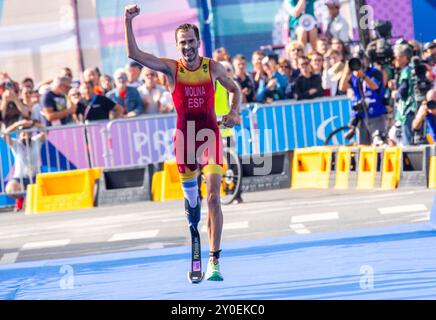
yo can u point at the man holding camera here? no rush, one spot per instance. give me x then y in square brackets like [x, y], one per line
[403, 94]
[427, 114]
[369, 111]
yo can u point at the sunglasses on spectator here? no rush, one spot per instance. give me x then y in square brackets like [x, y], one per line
[122, 78]
[150, 75]
[285, 66]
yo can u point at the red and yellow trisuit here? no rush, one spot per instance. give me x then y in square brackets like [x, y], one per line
[197, 140]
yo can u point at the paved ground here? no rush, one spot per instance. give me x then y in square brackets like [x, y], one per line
[280, 244]
[152, 225]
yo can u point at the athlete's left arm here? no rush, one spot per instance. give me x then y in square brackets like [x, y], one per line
[220, 74]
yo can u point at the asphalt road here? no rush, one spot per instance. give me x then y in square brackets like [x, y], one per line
[154, 225]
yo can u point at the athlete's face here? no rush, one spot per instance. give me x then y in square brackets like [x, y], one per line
[188, 44]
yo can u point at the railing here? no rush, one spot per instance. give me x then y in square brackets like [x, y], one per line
[280, 126]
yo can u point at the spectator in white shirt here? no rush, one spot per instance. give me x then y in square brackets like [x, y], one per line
[337, 26]
[156, 97]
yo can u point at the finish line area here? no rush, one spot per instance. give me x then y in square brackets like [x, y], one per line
[396, 262]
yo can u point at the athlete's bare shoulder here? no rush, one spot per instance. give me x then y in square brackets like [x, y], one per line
[217, 69]
[219, 73]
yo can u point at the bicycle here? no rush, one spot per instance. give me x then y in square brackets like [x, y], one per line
[231, 183]
[340, 133]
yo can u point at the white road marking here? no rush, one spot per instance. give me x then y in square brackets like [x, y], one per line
[45, 244]
[420, 214]
[421, 219]
[174, 219]
[230, 226]
[9, 258]
[134, 235]
[299, 228]
[156, 245]
[403, 209]
[315, 217]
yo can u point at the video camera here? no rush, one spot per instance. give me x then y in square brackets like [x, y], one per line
[8, 85]
[431, 105]
[421, 83]
[380, 51]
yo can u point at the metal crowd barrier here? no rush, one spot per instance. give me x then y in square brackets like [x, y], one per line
[276, 127]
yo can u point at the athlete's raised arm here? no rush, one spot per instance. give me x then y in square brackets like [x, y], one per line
[220, 74]
[166, 66]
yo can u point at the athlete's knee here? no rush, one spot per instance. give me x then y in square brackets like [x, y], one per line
[214, 200]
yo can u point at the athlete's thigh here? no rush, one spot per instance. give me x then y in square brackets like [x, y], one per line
[185, 154]
[211, 151]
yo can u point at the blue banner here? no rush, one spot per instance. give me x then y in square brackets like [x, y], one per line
[292, 124]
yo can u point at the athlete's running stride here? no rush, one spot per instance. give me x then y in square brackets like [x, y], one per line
[192, 84]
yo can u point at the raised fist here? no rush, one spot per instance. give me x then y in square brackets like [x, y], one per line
[131, 11]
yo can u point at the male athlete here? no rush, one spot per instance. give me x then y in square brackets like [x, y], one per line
[191, 80]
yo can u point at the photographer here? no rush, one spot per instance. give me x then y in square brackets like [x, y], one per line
[403, 94]
[427, 114]
[12, 108]
[369, 111]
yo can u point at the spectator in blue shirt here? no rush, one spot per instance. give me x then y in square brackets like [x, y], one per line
[273, 87]
[126, 96]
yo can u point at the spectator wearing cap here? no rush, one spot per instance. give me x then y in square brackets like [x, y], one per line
[12, 108]
[54, 103]
[133, 71]
[245, 80]
[127, 97]
[273, 87]
[403, 93]
[429, 57]
[430, 52]
[337, 26]
[307, 85]
[156, 98]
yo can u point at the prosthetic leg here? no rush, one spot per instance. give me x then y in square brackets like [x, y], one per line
[193, 215]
